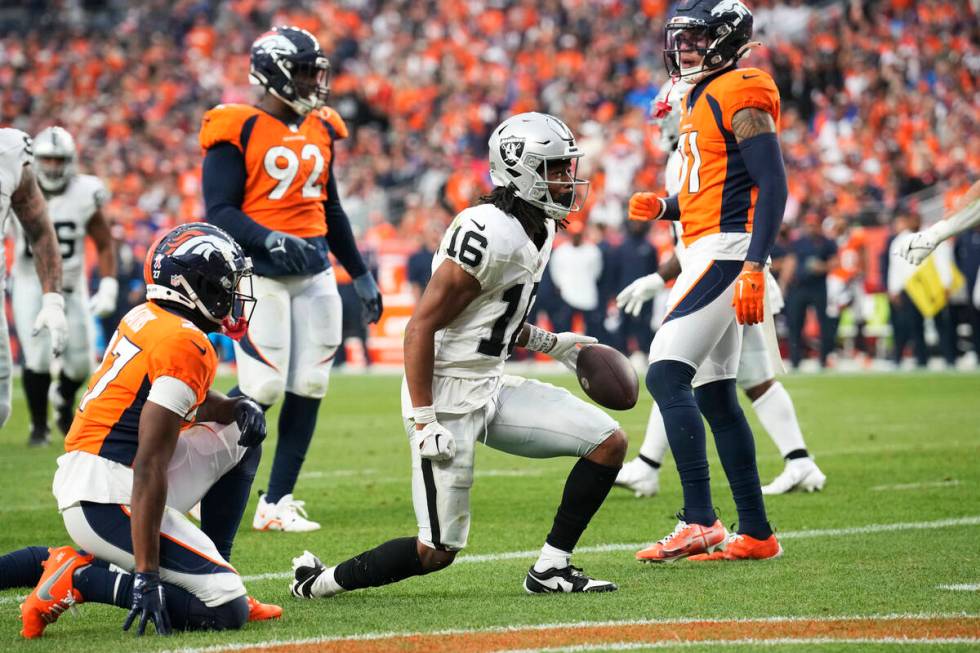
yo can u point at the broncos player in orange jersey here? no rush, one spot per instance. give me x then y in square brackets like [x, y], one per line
[149, 440]
[268, 180]
[730, 204]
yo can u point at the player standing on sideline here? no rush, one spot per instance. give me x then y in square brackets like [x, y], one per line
[75, 205]
[471, 315]
[135, 464]
[268, 181]
[756, 371]
[20, 194]
[731, 202]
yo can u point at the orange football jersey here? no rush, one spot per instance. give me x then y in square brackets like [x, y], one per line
[286, 167]
[150, 342]
[717, 194]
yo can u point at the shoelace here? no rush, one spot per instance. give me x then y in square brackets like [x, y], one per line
[681, 525]
[60, 607]
[296, 508]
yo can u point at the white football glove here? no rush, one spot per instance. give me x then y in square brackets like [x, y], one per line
[917, 247]
[633, 296]
[435, 442]
[52, 317]
[103, 302]
[565, 349]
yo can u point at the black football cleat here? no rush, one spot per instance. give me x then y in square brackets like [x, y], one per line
[567, 579]
[40, 437]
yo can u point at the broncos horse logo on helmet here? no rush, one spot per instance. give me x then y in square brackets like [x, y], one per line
[200, 270]
[288, 62]
[718, 30]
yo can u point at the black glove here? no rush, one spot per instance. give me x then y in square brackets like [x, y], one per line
[251, 423]
[148, 604]
[370, 296]
[288, 251]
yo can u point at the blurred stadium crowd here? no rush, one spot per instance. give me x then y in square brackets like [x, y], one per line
[879, 121]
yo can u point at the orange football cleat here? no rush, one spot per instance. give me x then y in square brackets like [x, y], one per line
[55, 592]
[258, 611]
[744, 547]
[686, 540]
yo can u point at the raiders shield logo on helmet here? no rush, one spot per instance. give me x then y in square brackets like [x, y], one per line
[511, 150]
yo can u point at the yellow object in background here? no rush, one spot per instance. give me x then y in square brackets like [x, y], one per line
[926, 288]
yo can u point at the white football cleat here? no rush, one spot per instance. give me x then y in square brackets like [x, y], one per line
[311, 579]
[799, 474]
[638, 476]
[287, 515]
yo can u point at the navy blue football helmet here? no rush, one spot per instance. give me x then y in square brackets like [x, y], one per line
[718, 30]
[200, 270]
[288, 62]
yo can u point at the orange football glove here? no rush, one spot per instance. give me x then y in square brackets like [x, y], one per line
[750, 295]
[645, 207]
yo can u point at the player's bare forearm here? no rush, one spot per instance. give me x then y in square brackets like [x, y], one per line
[217, 408]
[158, 432]
[31, 210]
[449, 292]
[750, 122]
[670, 269]
[98, 230]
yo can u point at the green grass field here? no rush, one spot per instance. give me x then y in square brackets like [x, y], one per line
[900, 452]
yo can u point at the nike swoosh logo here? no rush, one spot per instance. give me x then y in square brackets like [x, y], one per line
[478, 225]
[44, 591]
[555, 583]
[749, 76]
[200, 348]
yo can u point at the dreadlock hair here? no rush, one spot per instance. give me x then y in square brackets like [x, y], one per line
[531, 217]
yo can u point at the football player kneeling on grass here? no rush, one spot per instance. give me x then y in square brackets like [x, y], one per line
[470, 317]
[150, 439]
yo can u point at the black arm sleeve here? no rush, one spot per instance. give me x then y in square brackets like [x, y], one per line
[223, 183]
[340, 237]
[764, 162]
[672, 209]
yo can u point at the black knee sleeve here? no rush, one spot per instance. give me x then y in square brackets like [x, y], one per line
[718, 402]
[670, 382]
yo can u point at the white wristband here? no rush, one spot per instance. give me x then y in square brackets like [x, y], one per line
[540, 340]
[53, 299]
[424, 414]
[109, 285]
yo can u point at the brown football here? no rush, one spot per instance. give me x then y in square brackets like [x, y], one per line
[607, 377]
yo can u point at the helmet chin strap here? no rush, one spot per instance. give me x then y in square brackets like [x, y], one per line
[190, 300]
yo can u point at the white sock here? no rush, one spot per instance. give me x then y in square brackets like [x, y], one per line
[778, 416]
[552, 558]
[654, 444]
[326, 584]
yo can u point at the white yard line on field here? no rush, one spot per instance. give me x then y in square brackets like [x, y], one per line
[960, 587]
[788, 535]
[810, 641]
[916, 486]
[762, 621]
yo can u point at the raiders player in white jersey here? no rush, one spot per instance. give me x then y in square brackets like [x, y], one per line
[455, 393]
[756, 370]
[75, 205]
[20, 195]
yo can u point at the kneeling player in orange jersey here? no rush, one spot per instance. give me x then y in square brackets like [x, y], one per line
[150, 439]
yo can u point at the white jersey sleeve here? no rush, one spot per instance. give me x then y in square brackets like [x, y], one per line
[70, 212]
[15, 153]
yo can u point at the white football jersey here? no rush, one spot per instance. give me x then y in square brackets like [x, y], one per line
[70, 211]
[15, 153]
[493, 247]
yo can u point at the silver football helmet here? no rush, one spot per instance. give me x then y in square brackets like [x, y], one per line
[670, 124]
[523, 149]
[54, 158]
